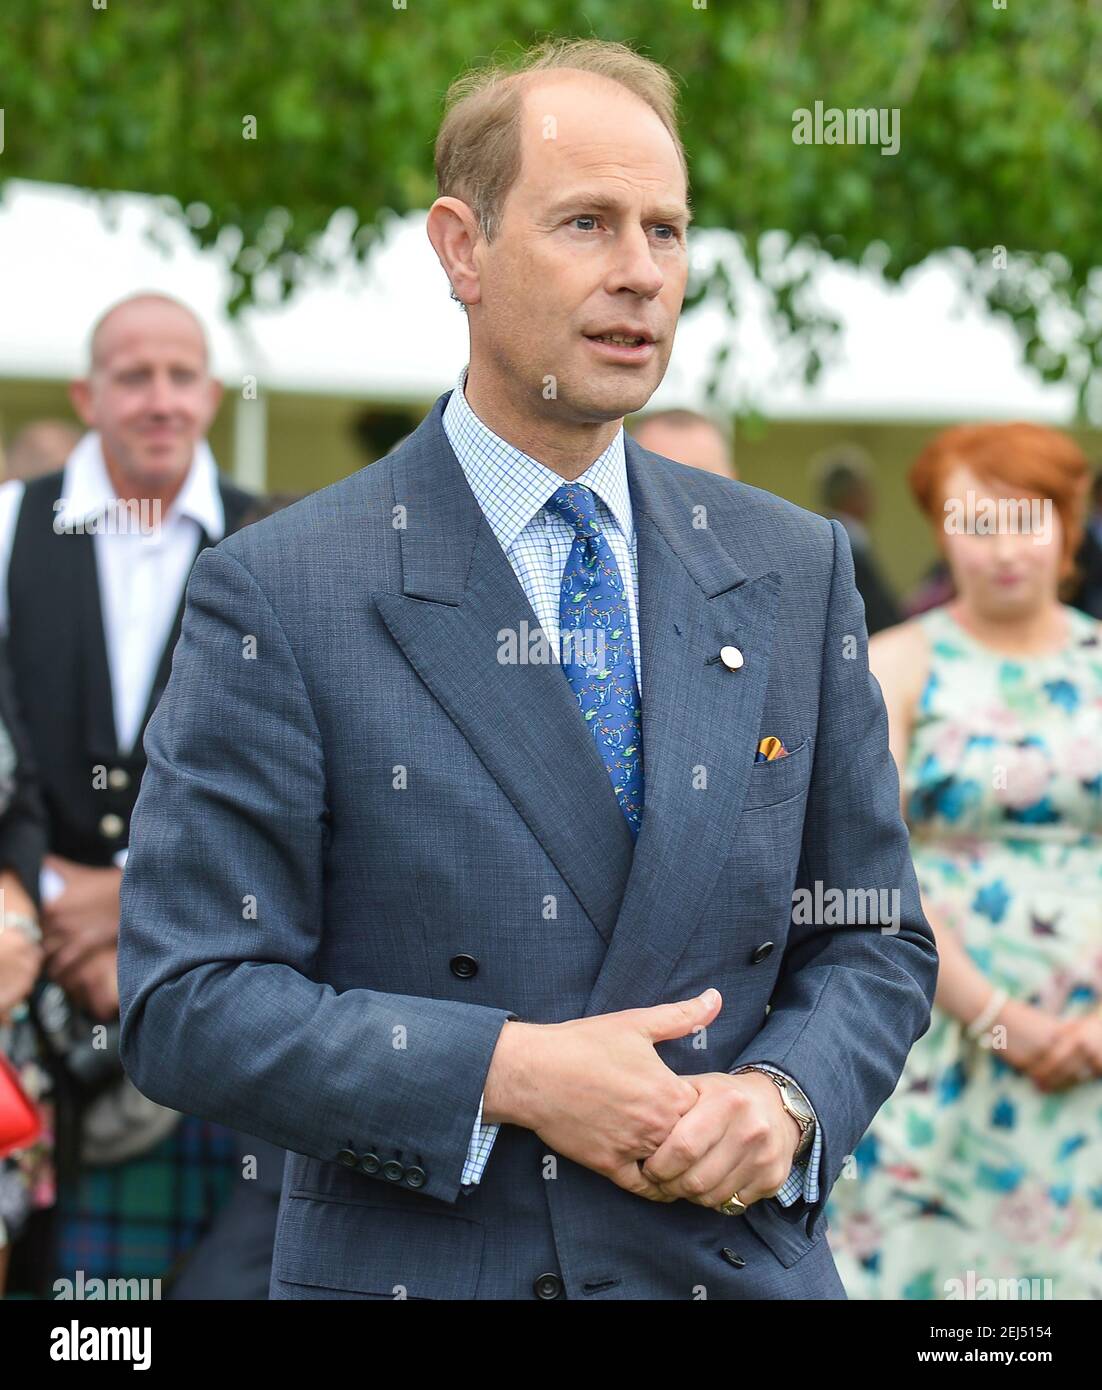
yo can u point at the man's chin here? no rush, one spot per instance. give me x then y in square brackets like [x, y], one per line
[613, 399]
[154, 469]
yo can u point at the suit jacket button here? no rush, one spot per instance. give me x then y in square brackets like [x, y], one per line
[732, 1257]
[415, 1176]
[369, 1163]
[393, 1171]
[348, 1158]
[760, 954]
[111, 826]
[548, 1286]
[118, 779]
[464, 967]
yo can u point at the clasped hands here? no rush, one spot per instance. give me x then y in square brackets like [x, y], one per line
[596, 1091]
[1054, 1052]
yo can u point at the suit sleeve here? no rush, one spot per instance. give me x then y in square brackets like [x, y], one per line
[852, 997]
[223, 915]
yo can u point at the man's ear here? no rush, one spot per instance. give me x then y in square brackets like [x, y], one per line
[80, 393]
[453, 231]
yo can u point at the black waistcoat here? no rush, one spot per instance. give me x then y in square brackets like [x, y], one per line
[62, 677]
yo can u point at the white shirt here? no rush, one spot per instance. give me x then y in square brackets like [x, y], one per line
[142, 567]
[513, 490]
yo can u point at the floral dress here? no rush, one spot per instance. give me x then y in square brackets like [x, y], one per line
[969, 1173]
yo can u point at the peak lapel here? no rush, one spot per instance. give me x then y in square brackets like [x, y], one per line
[460, 600]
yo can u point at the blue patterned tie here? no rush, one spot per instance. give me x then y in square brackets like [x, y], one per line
[594, 607]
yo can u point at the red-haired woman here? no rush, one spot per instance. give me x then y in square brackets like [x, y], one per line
[986, 1162]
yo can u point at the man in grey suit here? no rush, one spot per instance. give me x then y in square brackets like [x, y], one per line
[492, 786]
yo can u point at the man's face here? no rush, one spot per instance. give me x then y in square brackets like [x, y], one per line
[149, 393]
[592, 241]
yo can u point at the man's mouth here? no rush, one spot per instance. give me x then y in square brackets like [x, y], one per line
[623, 348]
[624, 339]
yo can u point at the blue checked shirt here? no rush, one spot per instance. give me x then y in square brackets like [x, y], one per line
[512, 489]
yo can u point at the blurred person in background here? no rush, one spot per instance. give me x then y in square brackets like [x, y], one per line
[94, 559]
[986, 1162]
[847, 491]
[687, 436]
[39, 448]
[1088, 594]
[26, 1176]
[932, 590]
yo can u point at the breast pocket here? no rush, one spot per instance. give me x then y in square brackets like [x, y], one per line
[778, 780]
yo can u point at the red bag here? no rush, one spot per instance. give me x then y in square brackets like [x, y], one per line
[20, 1121]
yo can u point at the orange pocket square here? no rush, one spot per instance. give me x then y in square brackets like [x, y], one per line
[770, 749]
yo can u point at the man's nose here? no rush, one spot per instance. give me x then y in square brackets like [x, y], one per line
[634, 267]
[162, 395]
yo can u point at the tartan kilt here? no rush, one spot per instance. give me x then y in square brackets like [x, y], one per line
[137, 1219]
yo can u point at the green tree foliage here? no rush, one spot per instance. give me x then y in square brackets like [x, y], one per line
[999, 101]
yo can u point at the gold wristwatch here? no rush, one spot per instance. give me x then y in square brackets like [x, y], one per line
[796, 1104]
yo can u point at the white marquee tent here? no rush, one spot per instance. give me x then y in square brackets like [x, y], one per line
[389, 331]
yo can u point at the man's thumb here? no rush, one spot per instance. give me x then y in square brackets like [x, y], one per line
[665, 1021]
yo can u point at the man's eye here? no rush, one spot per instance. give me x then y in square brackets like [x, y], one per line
[585, 217]
[666, 227]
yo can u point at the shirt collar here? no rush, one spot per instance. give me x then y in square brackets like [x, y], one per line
[511, 486]
[86, 488]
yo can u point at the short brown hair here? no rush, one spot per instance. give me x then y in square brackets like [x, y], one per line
[1042, 462]
[478, 145]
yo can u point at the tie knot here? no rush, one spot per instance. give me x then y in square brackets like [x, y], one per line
[577, 506]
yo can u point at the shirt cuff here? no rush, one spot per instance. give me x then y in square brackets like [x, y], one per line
[803, 1179]
[478, 1151]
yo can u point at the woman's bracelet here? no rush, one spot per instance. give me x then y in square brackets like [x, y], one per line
[988, 1014]
[22, 922]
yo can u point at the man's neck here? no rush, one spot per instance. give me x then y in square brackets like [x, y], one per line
[568, 448]
[129, 489]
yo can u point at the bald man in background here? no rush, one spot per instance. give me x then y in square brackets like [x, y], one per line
[688, 437]
[94, 558]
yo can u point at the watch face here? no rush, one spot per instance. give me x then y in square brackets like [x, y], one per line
[796, 1100]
